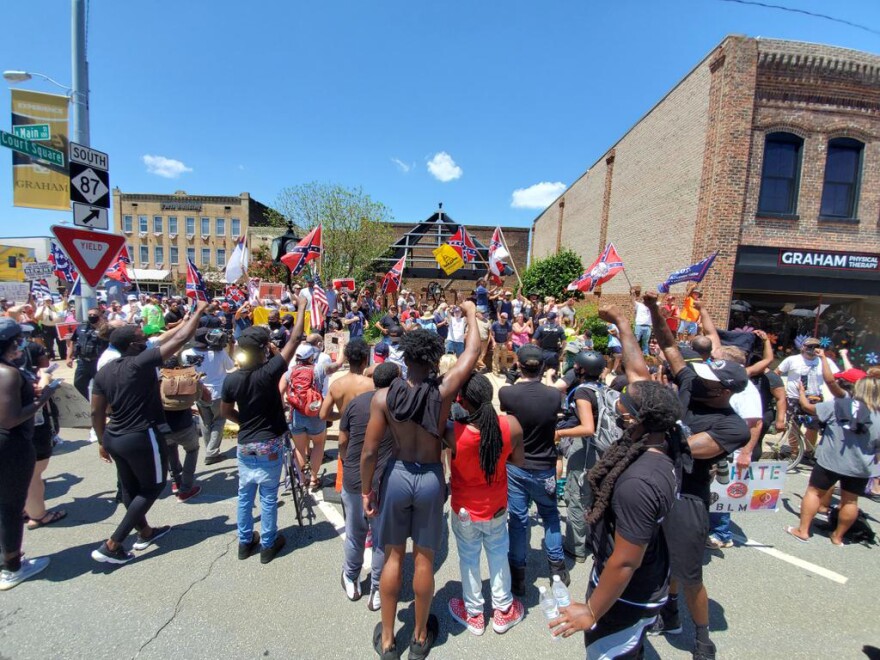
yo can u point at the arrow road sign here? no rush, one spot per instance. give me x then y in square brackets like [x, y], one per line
[93, 217]
[89, 185]
[91, 252]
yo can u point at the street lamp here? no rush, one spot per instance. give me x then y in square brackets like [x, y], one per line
[282, 245]
[14, 76]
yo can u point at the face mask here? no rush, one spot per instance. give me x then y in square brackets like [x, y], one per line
[93, 319]
[274, 325]
[138, 347]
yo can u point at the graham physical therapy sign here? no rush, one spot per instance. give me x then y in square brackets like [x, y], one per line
[825, 259]
[756, 488]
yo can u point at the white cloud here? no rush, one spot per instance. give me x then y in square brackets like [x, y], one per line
[443, 168]
[538, 196]
[403, 167]
[165, 167]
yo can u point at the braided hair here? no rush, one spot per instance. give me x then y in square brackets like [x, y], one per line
[478, 393]
[657, 409]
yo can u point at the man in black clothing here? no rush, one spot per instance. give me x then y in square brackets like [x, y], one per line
[128, 388]
[716, 430]
[86, 346]
[174, 315]
[252, 400]
[498, 341]
[278, 334]
[390, 320]
[536, 408]
[550, 337]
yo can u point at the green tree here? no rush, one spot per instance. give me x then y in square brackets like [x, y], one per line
[356, 228]
[261, 265]
[550, 276]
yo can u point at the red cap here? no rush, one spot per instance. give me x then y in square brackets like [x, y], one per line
[851, 375]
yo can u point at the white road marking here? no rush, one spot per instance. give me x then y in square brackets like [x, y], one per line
[795, 561]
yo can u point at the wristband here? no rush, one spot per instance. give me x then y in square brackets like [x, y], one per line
[592, 614]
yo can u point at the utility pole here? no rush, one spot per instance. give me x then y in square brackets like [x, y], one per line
[80, 97]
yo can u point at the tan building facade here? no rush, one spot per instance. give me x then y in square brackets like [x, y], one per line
[161, 231]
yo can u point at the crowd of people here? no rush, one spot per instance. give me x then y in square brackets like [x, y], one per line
[639, 433]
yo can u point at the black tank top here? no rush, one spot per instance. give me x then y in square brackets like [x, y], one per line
[25, 430]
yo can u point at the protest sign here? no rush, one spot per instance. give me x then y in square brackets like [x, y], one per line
[756, 488]
[270, 291]
[73, 410]
[17, 292]
[334, 344]
[65, 330]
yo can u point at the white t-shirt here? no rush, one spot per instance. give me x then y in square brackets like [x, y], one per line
[215, 365]
[643, 314]
[110, 353]
[457, 328]
[794, 367]
[747, 404]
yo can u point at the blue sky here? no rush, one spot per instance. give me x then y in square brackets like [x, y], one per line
[461, 102]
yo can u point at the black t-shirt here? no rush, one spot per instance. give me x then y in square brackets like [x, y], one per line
[766, 383]
[643, 495]
[179, 420]
[389, 321]
[582, 394]
[255, 392]
[501, 332]
[173, 317]
[549, 336]
[354, 421]
[131, 386]
[536, 407]
[723, 425]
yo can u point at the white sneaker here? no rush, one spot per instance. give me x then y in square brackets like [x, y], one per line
[93, 437]
[57, 441]
[352, 589]
[374, 602]
[29, 568]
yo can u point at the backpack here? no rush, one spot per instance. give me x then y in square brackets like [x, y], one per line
[860, 532]
[607, 432]
[179, 388]
[302, 395]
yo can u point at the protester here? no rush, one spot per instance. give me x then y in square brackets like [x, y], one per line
[85, 346]
[535, 406]
[499, 342]
[182, 434]
[352, 429]
[303, 384]
[252, 400]
[847, 454]
[689, 315]
[18, 406]
[128, 388]
[521, 331]
[484, 328]
[49, 318]
[480, 447]
[415, 410]
[614, 347]
[354, 322]
[550, 337]
[643, 319]
[457, 329]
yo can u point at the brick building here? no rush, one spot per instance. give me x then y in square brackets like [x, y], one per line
[767, 151]
[163, 230]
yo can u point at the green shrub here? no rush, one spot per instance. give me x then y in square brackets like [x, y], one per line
[587, 317]
[550, 276]
[372, 335]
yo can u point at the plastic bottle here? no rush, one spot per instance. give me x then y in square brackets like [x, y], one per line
[465, 517]
[560, 592]
[548, 607]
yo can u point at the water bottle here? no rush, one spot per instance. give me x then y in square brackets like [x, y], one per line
[548, 607]
[465, 517]
[560, 592]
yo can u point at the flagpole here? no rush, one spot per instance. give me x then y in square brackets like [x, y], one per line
[512, 262]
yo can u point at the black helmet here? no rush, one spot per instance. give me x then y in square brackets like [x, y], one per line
[592, 363]
[215, 338]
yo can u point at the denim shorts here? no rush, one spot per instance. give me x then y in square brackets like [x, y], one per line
[305, 424]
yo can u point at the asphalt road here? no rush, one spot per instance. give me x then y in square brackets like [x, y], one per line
[191, 597]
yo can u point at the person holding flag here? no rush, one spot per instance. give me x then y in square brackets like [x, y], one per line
[118, 270]
[462, 243]
[392, 279]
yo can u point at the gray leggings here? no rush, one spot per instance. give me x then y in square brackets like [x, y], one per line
[212, 426]
[578, 499]
[356, 526]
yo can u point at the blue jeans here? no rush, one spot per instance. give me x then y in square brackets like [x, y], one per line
[491, 535]
[643, 336]
[523, 488]
[263, 472]
[356, 527]
[456, 347]
[719, 526]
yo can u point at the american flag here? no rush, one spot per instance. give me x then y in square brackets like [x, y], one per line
[64, 270]
[464, 244]
[40, 289]
[195, 285]
[307, 249]
[320, 306]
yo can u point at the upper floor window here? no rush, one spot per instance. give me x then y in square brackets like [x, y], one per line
[126, 224]
[206, 256]
[236, 227]
[206, 226]
[221, 257]
[144, 257]
[221, 226]
[172, 224]
[143, 225]
[780, 176]
[157, 224]
[159, 254]
[191, 254]
[190, 226]
[843, 167]
[172, 255]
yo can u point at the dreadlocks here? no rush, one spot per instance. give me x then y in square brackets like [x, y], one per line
[658, 411]
[478, 393]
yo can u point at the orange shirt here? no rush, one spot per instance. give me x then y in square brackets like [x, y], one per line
[688, 311]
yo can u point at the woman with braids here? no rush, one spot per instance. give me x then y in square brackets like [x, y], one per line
[635, 486]
[481, 446]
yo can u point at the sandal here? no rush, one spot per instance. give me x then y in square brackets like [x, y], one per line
[420, 651]
[790, 531]
[390, 654]
[48, 519]
[315, 484]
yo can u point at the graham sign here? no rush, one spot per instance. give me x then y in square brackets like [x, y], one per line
[825, 259]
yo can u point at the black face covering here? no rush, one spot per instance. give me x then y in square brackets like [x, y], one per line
[274, 325]
[93, 320]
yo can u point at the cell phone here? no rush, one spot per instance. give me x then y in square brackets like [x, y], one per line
[51, 368]
[55, 384]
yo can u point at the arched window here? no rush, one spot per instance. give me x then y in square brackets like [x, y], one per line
[781, 173]
[843, 167]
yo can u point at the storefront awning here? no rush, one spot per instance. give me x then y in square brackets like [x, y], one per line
[150, 275]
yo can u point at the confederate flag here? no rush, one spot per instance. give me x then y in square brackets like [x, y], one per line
[118, 269]
[307, 249]
[195, 285]
[605, 267]
[391, 281]
[464, 245]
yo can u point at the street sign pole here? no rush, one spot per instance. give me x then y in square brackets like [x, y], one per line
[80, 129]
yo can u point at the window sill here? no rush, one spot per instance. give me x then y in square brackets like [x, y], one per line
[761, 215]
[845, 221]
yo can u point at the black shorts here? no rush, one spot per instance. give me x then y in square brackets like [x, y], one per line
[43, 440]
[620, 633]
[823, 479]
[685, 528]
[411, 500]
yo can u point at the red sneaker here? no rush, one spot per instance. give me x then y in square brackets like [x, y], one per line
[369, 542]
[183, 497]
[174, 488]
[475, 624]
[504, 621]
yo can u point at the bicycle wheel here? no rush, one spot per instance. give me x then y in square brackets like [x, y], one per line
[296, 488]
[792, 445]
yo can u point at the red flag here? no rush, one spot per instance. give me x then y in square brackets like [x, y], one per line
[118, 270]
[462, 242]
[603, 269]
[391, 281]
[307, 249]
[195, 285]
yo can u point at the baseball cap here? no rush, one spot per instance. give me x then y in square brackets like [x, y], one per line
[255, 337]
[530, 355]
[731, 375]
[851, 375]
[551, 316]
[811, 341]
[381, 349]
[306, 351]
[9, 328]
[131, 296]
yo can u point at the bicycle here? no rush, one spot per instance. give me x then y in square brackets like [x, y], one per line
[295, 480]
[793, 446]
